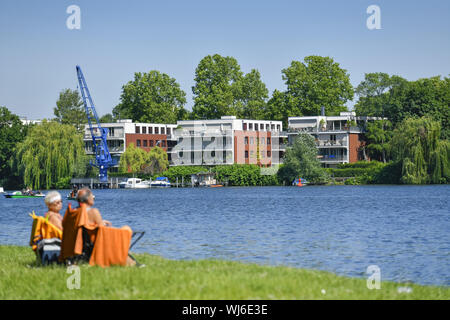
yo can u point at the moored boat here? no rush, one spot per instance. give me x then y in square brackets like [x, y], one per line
[161, 182]
[136, 183]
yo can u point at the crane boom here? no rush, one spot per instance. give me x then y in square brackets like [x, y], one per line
[103, 159]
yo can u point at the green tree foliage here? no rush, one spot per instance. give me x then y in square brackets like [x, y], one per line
[70, 110]
[395, 98]
[253, 96]
[133, 160]
[157, 161]
[217, 87]
[50, 154]
[424, 157]
[243, 175]
[282, 106]
[316, 82]
[11, 133]
[151, 97]
[300, 161]
[378, 134]
[107, 118]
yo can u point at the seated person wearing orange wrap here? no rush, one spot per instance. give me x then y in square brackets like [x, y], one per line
[95, 222]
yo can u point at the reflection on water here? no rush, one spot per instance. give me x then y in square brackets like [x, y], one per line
[342, 229]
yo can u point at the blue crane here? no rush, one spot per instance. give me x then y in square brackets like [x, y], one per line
[103, 159]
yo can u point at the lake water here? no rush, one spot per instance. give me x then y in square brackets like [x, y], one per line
[343, 229]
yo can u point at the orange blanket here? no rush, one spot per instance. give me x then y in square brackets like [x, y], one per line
[111, 247]
[110, 244]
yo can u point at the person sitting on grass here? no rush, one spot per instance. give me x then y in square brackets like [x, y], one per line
[53, 201]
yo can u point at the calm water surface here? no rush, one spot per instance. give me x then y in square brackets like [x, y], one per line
[343, 229]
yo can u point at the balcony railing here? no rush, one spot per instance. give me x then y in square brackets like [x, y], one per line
[332, 143]
[332, 158]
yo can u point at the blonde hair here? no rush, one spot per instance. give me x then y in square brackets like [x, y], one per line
[52, 197]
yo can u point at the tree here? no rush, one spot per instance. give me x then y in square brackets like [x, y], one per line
[51, 153]
[12, 132]
[70, 110]
[300, 160]
[282, 106]
[107, 118]
[133, 160]
[397, 99]
[253, 96]
[217, 87]
[318, 82]
[423, 156]
[378, 135]
[157, 161]
[151, 97]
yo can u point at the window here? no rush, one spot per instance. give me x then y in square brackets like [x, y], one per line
[246, 154]
[151, 143]
[268, 140]
[145, 143]
[224, 140]
[168, 130]
[163, 130]
[150, 130]
[245, 126]
[278, 127]
[250, 126]
[111, 132]
[269, 154]
[156, 130]
[256, 127]
[246, 140]
[272, 127]
[261, 126]
[144, 130]
[138, 143]
[252, 140]
[138, 129]
[267, 127]
[224, 154]
[163, 143]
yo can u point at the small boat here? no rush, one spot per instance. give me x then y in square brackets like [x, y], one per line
[2, 190]
[161, 182]
[300, 182]
[215, 186]
[20, 195]
[69, 197]
[136, 183]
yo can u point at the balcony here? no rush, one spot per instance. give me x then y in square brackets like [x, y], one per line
[332, 158]
[332, 143]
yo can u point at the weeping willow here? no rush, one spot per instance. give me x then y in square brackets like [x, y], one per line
[50, 152]
[157, 161]
[423, 156]
[133, 160]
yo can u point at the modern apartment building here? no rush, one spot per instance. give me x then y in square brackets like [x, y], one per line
[124, 132]
[339, 138]
[228, 141]
[200, 142]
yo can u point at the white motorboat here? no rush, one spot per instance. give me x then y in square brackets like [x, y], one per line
[1, 190]
[161, 182]
[135, 183]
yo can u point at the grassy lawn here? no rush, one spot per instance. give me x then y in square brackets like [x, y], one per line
[20, 278]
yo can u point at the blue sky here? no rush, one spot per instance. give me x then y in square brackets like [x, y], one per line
[38, 53]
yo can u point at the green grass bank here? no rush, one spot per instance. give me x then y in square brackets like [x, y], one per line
[21, 278]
